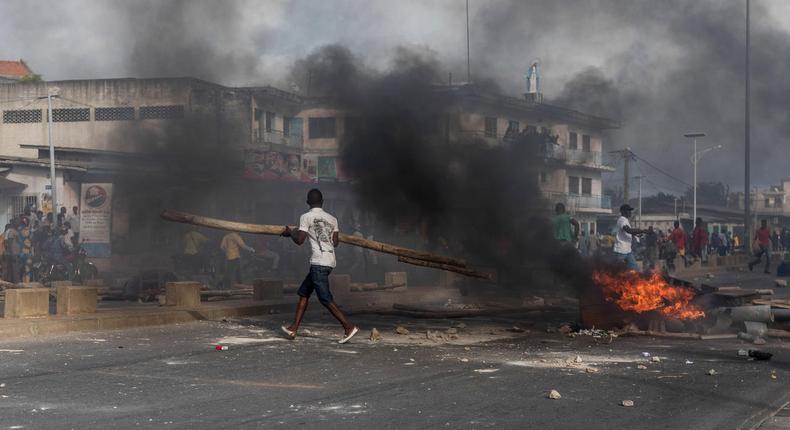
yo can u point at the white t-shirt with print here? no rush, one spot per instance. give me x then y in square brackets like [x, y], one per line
[622, 244]
[319, 227]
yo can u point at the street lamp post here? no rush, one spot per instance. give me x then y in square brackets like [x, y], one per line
[694, 136]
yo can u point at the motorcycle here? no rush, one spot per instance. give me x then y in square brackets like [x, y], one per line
[77, 268]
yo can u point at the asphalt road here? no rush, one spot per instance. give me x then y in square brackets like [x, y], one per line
[172, 377]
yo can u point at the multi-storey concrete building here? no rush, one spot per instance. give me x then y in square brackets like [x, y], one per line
[102, 127]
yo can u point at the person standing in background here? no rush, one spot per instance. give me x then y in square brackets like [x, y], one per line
[231, 245]
[74, 221]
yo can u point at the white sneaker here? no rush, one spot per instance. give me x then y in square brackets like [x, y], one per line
[290, 334]
[349, 336]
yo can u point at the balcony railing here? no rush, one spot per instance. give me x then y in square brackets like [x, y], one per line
[276, 139]
[580, 201]
[549, 150]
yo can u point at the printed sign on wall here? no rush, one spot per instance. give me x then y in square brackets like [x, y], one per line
[95, 219]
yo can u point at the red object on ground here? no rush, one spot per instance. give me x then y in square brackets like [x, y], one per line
[221, 348]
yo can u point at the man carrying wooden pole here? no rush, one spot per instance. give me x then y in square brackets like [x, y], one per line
[322, 230]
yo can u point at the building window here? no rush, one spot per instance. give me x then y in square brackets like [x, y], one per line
[268, 122]
[573, 184]
[19, 203]
[573, 141]
[322, 128]
[513, 127]
[587, 186]
[114, 114]
[585, 143]
[162, 112]
[71, 115]
[490, 124]
[767, 202]
[20, 116]
[543, 177]
[778, 202]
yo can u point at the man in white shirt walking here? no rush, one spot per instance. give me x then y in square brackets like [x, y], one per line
[322, 230]
[622, 244]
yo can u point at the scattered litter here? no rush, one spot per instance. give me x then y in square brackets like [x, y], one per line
[689, 362]
[411, 359]
[460, 325]
[712, 372]
[645, 354]
[2, 385]
[656, 359]
[401, 330]
[578, 359]
[781, 283]
[221, 347]
[375, 336]
[13, 351]
[641, 367]
[486, 370]
[743, 353]
[773, 374]
[554, 395]
[452, 330]
[591, 370]
[464, 360]
[759, 341]
[565, 329]
[627, 403]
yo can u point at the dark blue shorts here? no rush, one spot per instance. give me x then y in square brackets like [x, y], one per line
[317, 280]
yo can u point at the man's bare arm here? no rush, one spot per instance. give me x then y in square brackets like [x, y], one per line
[335, 239]
[633, 231]
[576, 228]
[298, 236]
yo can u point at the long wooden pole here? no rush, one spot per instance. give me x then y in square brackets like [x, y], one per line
[461, 270]
[386, 248]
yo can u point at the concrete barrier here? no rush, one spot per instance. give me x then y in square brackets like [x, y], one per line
[267, 289]
[182, 293]
[395, 278]
[76, 300]
[340, 285]
[26, 303]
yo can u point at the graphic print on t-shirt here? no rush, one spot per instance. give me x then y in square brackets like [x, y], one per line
[323, 232]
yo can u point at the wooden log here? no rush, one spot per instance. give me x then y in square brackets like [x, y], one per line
[277, 230]
[447, 267]
[225, 293]
[778, 333]
[662, 334]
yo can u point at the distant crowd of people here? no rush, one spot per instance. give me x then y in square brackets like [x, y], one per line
[32, 236]
[652, 245]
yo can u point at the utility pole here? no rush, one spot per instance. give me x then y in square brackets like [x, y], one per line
[639, 205]
[627, 156]
[694, 159]
[468, 61]
[747, 224]
[51, 92]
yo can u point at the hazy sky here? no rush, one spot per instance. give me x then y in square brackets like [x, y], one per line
[661, 66]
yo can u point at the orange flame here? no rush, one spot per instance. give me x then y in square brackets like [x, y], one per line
[633, 292]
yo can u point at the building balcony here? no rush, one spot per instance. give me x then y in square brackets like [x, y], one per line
[276, 140]
[583, 202]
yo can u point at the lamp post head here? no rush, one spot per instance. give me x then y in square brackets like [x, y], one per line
[695, 134]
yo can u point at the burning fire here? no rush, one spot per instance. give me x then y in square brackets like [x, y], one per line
[634, 292]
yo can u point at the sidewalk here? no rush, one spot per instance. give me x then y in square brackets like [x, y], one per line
[139, 316]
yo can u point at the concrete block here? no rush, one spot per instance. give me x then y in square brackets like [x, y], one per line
[30, 285]
[183, 293]
[447, 279]
[26, 303]
[340, 285]
[75, 300]
[267, 289]
[395, 278]
[56, 284]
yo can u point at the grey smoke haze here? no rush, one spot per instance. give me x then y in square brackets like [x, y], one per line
[663, 67]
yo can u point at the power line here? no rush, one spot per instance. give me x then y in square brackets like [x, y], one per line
[662, 171]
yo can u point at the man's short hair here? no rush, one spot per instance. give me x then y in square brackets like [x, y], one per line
[559, 207]
[677, 223]
[314, 197]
